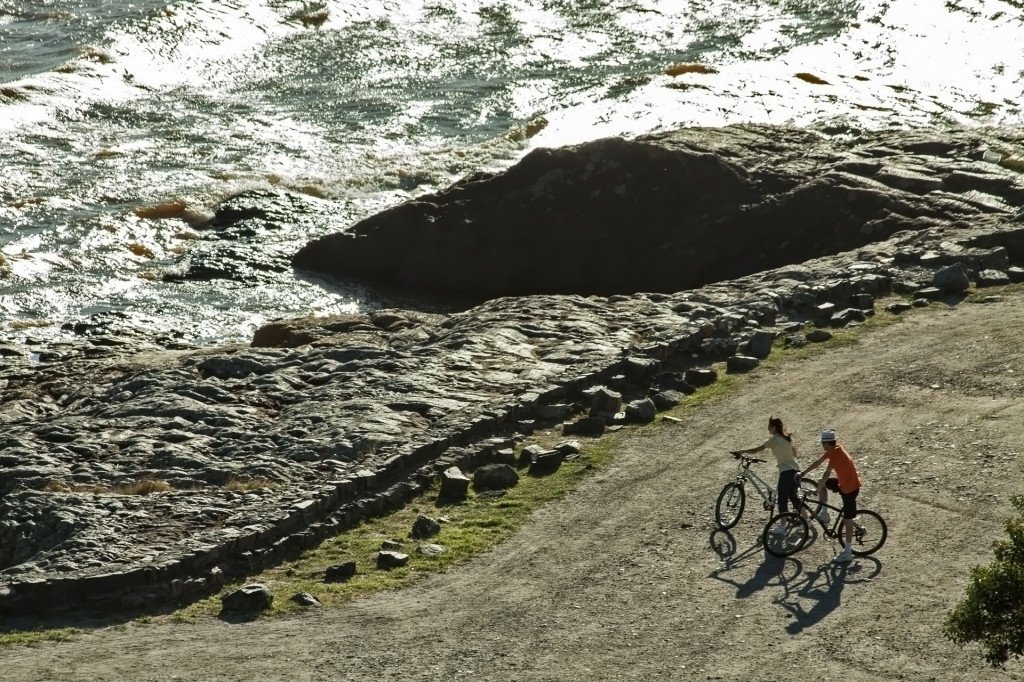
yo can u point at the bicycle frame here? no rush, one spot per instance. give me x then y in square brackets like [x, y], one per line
[837, 525]
[766, 491]
[836, 530]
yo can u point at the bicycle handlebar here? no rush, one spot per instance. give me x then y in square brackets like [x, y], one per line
[740, 455]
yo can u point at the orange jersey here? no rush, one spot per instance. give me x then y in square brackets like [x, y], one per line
[846, 470]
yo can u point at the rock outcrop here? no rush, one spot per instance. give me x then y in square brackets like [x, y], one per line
[673, 211]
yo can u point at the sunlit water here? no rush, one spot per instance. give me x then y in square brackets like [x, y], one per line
[110, 111]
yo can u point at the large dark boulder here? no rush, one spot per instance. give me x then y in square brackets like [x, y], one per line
[668, 212]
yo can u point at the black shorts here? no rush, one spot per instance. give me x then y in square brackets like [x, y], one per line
[849, 499]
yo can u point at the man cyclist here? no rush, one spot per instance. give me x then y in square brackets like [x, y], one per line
[846, 482]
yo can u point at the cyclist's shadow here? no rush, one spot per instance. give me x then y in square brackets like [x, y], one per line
[770, 570]
[824, 587]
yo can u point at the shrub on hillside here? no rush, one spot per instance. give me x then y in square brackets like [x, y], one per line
[992, 611]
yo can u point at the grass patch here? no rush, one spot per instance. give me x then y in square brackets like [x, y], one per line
[841, 338]
[480, 523]
[982, 295]
[470, 528]
[36, 637]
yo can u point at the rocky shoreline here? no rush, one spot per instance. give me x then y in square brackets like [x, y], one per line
[263, 451]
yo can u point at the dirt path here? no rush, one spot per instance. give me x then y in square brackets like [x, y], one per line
[620, 580]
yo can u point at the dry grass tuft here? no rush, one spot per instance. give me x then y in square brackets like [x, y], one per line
[680, 69]
[55, 486]
[141, 250]
[1015, 163]
[811, 78]
[144, 487]
[27, 324]
[166, 209]
[238, 486]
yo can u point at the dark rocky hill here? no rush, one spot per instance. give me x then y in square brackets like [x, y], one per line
[674, 211]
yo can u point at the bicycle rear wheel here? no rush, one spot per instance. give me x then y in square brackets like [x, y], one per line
[869, 533]
[790, 536]
[729, 507]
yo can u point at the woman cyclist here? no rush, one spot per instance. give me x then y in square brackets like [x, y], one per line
[780, 442]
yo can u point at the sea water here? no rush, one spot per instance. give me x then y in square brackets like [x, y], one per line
[122, 123]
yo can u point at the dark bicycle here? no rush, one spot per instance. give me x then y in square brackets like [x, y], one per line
[869, 528]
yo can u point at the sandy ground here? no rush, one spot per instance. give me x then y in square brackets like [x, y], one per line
[624, 579]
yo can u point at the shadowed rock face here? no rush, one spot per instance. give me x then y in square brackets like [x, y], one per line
[671, 212]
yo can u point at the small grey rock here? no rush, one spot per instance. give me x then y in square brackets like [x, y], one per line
[741, 363]
[454, 485]
[585, 426]
[952, 279]
[252, 597]
[642, 411]
[305, 599]
[386, 559]
[546, 463]
[700, 376]
[845, 317]
[818, 335]
[993, 278]
[666, 400]
[340, 573]
[430, 549]
[425, 527]
[495, 477]
[930, 293]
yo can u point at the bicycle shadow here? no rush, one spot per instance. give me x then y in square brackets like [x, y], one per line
[823, 587]
[770, 570]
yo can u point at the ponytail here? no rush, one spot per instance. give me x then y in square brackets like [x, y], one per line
[776, 423]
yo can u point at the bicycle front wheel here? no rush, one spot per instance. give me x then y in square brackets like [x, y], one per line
[869, 533]
[808, 492]
[785, 534]
[729, 507]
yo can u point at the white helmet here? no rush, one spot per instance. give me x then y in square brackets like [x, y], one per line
[828, 436]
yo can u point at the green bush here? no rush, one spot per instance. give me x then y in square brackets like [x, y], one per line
[992, 611]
